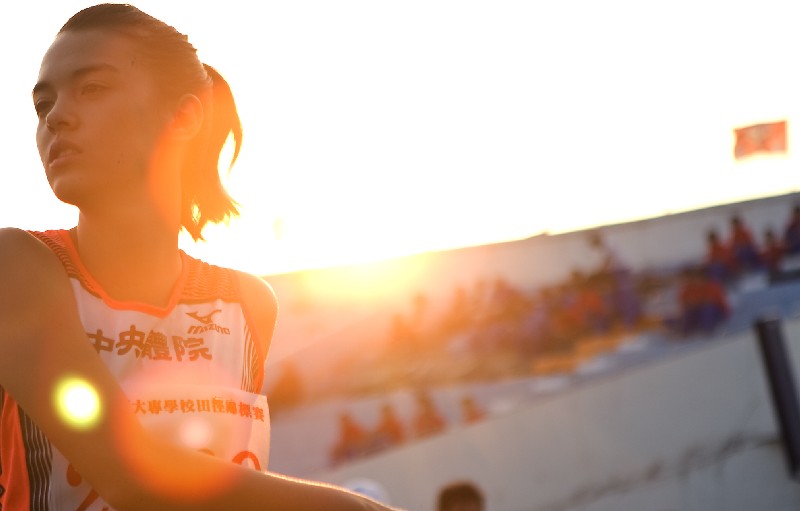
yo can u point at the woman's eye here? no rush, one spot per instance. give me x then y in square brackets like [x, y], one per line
[91, 88]
[42, 107]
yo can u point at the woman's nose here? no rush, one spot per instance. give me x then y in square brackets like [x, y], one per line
[61, 116]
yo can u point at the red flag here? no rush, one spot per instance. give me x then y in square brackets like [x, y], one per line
[760, 138]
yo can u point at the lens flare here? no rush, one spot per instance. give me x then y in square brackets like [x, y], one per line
[195, 433]
[77, 403]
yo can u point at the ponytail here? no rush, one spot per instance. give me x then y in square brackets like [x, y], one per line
[204, 199]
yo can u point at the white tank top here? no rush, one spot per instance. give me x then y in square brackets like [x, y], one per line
[192, 370]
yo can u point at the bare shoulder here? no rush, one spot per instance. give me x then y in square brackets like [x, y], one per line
[14, 241]
[257, 293]
[25, 262]
[34, 286]
[261, 302]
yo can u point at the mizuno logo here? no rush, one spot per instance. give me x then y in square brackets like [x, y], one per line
[203, 319]
[207, 324]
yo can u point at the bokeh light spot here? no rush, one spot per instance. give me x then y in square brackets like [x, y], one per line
[77, 403]
[195, 433]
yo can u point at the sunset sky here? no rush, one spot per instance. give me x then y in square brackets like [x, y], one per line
[375, 129]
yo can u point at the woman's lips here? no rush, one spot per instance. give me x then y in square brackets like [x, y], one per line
[61, 152]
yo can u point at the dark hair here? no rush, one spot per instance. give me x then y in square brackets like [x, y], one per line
[458, 492]
[177, 70]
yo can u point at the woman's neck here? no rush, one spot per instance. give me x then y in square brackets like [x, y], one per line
[134, 258]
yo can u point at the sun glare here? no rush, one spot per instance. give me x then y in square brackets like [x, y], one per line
[369, 280]
[77, 403]
[333, 172]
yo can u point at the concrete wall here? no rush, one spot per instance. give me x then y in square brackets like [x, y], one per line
[692, 431]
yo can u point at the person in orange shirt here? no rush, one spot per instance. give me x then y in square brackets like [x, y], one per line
[744, 250]
[703, 302]
[389, 431]
[428, 420]
[719, 258]
[773, 252]
[791, 233]
[592, 311]
[352, 442]
[470, 411]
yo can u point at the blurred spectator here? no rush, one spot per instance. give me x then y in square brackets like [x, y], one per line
[352, 440]
[791, 234]
[772, 252]
[743, 247]
[497, 324]
[703, 302]
[457, 316]
[609, 260]
[389, 431]
[506, 302]
[460, 496]
[592, 313]
[428, 421]
[560, 328]
[288, 390]
[623, 297]
[478, 296]
[471, 412]
[420, 305]
[568, 298]
[402, 337]
[533, 328]
[719, 259]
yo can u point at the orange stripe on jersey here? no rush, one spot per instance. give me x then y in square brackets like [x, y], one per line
[205, 282]
[198, 282]
[14, 477]
[66, 250]
[55, 241]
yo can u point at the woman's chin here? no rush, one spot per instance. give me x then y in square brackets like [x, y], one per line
[70, 192]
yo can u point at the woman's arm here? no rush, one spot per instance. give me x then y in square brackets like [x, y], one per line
[42, 342]
[261, 307]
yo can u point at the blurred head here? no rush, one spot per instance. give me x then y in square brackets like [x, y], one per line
[122, 101]
[348, 423]
[694, 272]
[460, 496]
[595, 239]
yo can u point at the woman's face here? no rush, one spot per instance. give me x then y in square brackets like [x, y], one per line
[100, 120]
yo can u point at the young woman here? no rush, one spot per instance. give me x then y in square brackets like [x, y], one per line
[167, 350]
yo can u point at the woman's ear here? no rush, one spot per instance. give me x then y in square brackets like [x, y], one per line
[188, 117]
